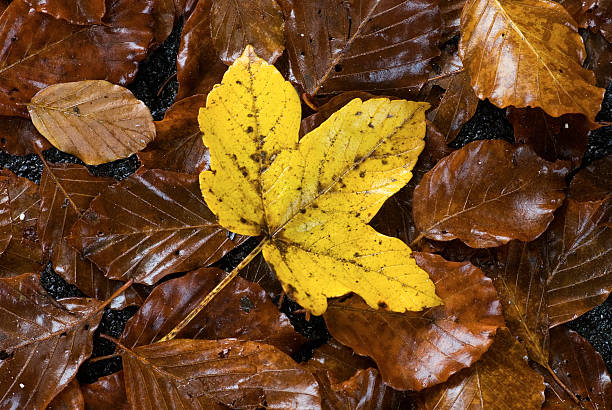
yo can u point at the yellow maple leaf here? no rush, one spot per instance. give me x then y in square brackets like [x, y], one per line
[312, 199]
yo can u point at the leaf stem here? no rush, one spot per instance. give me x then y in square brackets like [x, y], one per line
[416, 241]
[118, 292]
[561, 384]
[220, 286]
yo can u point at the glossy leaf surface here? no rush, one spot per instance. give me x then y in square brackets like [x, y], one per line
[81, 12]
[70, 398]
[108, 392]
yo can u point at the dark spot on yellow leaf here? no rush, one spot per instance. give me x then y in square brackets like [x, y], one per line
[382, 305]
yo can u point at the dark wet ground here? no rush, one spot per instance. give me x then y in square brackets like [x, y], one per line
[156, 86]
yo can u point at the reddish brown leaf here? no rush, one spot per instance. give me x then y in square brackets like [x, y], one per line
[215, 374]
[502, 379]
[178, 145]
[451, 18]
[242, 310]
[57, 51]
[256, 22]
[81, 12]
[591, 13]
[594, 182]
[339, 360]
[580, 368]
[367, 45]
[416, 350]
[599, 56]
[578, 264]
[564, 137]
[488, 193]
[150, 225]
[66, 191]
[107, 393]
[42, 341]
[70, 398]
[18, 136]
[166, 13]
[198, 66]
[24, 253]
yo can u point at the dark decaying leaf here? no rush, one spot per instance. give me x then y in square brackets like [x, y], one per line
[6, 221]
[150, 225]
[178, 144]
[242, 310]
[591, 13]
[81, 12]
[198, 65]
[552, 138]
[166, 13]
[451, 18]
[259, 272]
[24, 252]
[599, 56]
[579, 367]
[367, 45]
[106, 393]
[501, 379]
[66, 191]
[57, 51]
[594, 182]
[416, 350]
[214, 374]
[42, 341]
[19, 136]
[578, 264]
[94, 120]
[70, 398]
[521, 284]
[488, 193]
[256, 22]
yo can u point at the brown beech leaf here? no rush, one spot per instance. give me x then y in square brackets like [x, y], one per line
[501, 379]
[594, 182]
[521, 285]
[580, 368]
[42, 341]
[24, 252]
[450, 11]
[94, 120]
[106, 393]
[178, 144]
[19, 136]
[70, 398]
[207, 374]
[599, 55]
[488, 193]
[235, 25]
[198, 65]
[367, 45]
[578, 263]
[527, 53]
[242, 310]
[591, 13]
[66, 191]
[166, 13]
[81, 12]
[337, 359]
[6, 221]
[416, 350]
[150, 225]
[57, 51]
[564, 137]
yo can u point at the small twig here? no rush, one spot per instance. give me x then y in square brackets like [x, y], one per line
[281, 299]
[100, 358]
[111, 339]
[309, 103]
[163, 86]
[204, 302]
[119, 291]
[416, 241]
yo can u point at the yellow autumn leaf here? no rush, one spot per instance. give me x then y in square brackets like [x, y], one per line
[312, 199]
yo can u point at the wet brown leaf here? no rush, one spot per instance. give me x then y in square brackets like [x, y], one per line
[107, 393]
[416, 350]
[242, 310]
[150, 225]
[367, 45]
[6, 221]
[527, 53]
[578, 264]
[599, 56]
[488, 193]
[216, 374]
[19, 136]
[57, 51]
[66, 191]
[166, 13]
[24, 252]
[81, 12]
[70, 398]
[198, 65]
[42, 341]
[591, 13]
[96, 121]
[580, 368]
[502, 379]
[178, 145]
[564, 137]
[594, 182]
[235, 25]
[451, 18]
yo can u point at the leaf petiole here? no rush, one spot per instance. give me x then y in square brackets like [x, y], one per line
[220, 286]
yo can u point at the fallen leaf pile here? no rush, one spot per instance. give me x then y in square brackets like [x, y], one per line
[311, 151]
